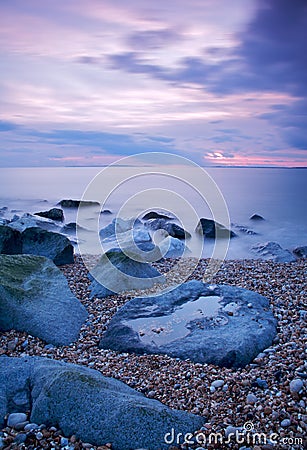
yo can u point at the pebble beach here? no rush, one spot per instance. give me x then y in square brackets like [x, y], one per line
[268, 396]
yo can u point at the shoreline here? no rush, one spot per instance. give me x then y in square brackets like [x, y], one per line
[188, 386]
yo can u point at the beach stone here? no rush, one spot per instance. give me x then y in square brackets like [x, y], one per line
[300, 252]
[69, 203]
[272, 251]
[209, 228]
[174, 230]
[16, 418]
[171, 324]
[256, 217]
[285, 423]
[251, 399]
[35, 298]
[217, 383]
[118, 272]
[55, 246]
[10, 241]
[82, 402]
[296, 386]
[53, 214]
[28, 220]
[171, 247]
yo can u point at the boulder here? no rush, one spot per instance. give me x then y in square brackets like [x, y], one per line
[29, 221]
[156, 215]
[172, 229]
[68, 203]
[82, 402]
[209, 228]
[117, 226]
[53, 214]
[35, 298]
[172, 247]
[117, 272]
[256, 217]
[300, 252]
[272, 251]
[10, 241]
[55, 246]
[222, 325]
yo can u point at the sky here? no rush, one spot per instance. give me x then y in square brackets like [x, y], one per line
[85, 82]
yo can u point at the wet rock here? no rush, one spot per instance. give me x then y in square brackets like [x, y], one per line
[300, 252]
[174, 230]
[10, 241]
[29, 221]
[84, 403]
[69, 203]
[172, 324]
[209, 228]
[55, 246]
[172, 247]
[35, 298]
[53, 214]
[118, 226]
[272, 251]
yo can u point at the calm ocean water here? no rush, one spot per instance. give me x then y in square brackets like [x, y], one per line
[279, 195]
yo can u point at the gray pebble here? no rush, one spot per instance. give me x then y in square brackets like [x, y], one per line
[285, 423]
[217, 383]
[39, 436]
[31, 426]
[64, 442]
[20, 438]
[15, 418]
[151, 394]
[296, 386]
[251, 399]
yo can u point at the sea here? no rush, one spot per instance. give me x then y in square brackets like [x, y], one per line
[228, 195]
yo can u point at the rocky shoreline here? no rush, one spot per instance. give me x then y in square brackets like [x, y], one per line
[261, 394]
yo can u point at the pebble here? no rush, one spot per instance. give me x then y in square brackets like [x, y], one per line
[16, 418]
[296, 386]
[217, 383]
[251, 399]
[64, 441]
[285, 423]
[31, 427]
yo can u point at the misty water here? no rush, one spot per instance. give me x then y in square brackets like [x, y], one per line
[279, 195]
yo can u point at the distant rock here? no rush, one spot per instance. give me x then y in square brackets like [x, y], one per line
[35, 298]
[53, 214]
[243, 229]
[82, 402]
[106, 212]
[211, 229]
[71, 227]
[55, 246]
[300, 252]
[68, 203]
[10, 241]
[172, 229]
[272, 251]
[222, 325]
[256, 217]
[156, 215]
[116, 272]
[29, 221]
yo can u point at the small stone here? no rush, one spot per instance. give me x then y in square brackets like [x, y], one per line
[20, 438]
[267, 410]
[20, 426]
[64, 441]
[251, 399]
[31, 427]
[39, 436]
[11, 345]
[151, 394]
[285, 423]
[15, 418]
[217, 383]
[261, 383]
[296, 386]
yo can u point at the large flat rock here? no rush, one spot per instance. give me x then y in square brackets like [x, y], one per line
[35, 298]
[222, 325]
[83, 402]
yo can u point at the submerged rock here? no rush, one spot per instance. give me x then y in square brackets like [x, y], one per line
[209, 228]
[256, 217]
[222, 325]
[272, 251]
[53, 214]
[117, 272]
[300, 252]
[69, 203]
[82, 402]
[35, 298]
[55, 246]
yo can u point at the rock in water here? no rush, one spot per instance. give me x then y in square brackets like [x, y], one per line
[53, 214]
[256, 217]
[272, 251]
[172, 229]
[222, 325]
[68, 203]
[301, 252]
[55, 246]
[35, 298]
[117, 272]
[172, 247]
[209, 228]
[84, 403]
[29, 221]
[10, 241]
